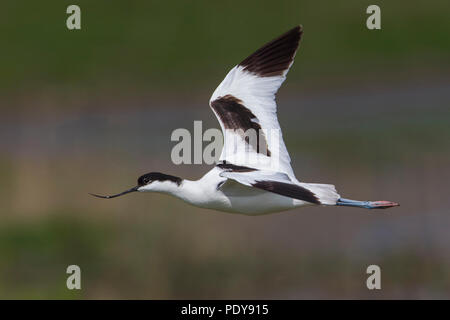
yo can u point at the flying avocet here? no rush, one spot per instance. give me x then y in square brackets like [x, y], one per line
[247, 179]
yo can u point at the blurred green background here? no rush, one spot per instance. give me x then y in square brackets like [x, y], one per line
[91, 110]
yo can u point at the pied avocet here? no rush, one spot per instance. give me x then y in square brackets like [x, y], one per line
[251, 179]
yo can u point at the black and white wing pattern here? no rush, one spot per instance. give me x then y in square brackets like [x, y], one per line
[280, 183]
[246, 100]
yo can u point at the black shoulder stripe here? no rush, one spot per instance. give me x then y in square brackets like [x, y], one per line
[275, 57]
[288, 190]
[235, 116]
[234, 168]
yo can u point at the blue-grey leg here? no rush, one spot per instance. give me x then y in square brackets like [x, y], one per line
[366, 204]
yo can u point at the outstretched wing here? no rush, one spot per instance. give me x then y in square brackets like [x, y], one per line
[244, 103]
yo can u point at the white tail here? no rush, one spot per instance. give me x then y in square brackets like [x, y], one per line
[326, 193]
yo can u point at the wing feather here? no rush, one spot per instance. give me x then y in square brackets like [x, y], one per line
[274, 182]
[246, 100]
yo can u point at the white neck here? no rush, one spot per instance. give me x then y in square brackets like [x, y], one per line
[188, 190]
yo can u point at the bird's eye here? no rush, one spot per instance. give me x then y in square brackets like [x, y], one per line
[146, 180]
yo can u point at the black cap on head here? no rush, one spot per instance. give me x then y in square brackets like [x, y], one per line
[157, 176]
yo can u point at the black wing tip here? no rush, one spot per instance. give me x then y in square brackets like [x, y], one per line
[276, 56]
[297, 29]
[295, 32]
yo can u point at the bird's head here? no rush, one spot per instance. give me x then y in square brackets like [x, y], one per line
[150, 182]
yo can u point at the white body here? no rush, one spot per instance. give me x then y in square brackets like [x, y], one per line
[251, 178]
[246, 99]
[230, 197]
